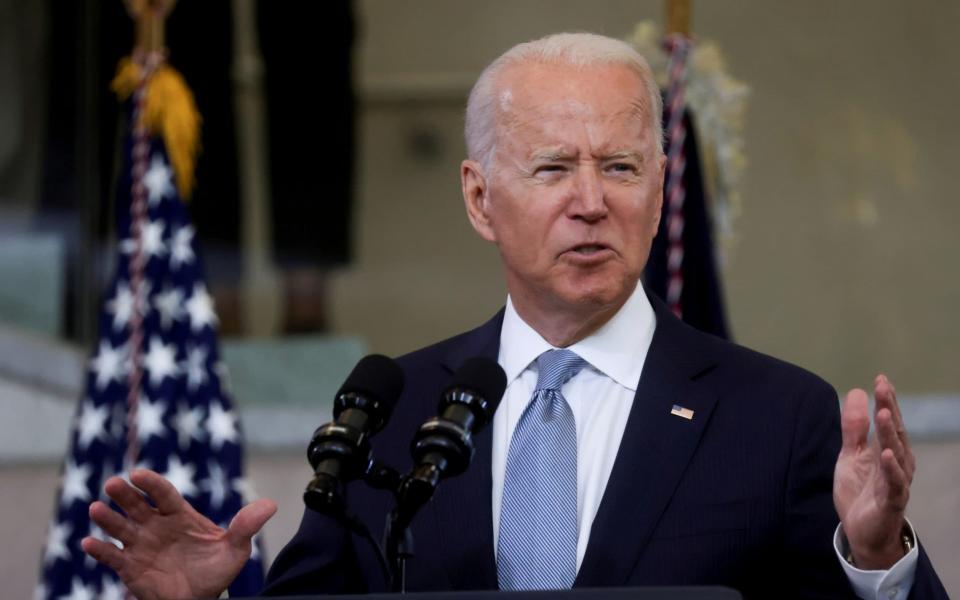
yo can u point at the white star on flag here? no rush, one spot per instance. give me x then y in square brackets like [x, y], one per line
[196, 367]
[150, 419]
[182, 251]
[216, 484]
[122, 305]
[200, 308]
[75, 478]
[187, 421]
[109, 364]
[169, 304]
[160, 360]
[181, 476]
[158, 180]
[242, 486]
[80, 591]
[222, 425]
[56, 547]
[91, 423]
[152, 237]
[112, 590]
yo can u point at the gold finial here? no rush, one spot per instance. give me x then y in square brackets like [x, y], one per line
[150, 17]
[678, 17]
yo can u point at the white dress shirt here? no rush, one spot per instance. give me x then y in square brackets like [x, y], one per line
[600, 397]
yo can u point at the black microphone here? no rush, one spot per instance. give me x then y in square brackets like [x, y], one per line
[443, 447]
[339, 451]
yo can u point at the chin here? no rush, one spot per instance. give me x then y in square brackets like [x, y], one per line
[595, 295]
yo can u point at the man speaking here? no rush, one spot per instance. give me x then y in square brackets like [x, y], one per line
[628, 449]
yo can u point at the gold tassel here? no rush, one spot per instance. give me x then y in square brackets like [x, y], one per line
[169, 111]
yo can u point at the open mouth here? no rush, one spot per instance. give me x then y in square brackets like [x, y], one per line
[589, 249]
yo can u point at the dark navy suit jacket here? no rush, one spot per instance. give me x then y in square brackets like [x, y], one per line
[739, 495]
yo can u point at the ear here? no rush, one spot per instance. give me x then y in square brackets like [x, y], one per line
[661, 171]
[476, 198]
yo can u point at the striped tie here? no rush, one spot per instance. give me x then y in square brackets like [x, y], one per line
[537, 543]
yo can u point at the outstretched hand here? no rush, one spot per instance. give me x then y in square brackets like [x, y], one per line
[871, 483]
[171, 551]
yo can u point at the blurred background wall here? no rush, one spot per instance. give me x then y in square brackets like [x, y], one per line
[843, 259]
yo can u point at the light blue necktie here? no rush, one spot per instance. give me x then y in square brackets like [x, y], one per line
[537, 541]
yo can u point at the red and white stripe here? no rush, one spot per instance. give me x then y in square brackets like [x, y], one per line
[138, 218]
[678, 46]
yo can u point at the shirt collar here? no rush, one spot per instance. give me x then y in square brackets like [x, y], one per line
[618, 349]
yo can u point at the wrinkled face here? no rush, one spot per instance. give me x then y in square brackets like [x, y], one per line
[572, 198]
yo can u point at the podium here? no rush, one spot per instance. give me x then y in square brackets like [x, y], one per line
[640, 593]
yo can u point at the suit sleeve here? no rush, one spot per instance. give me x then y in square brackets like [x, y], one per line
[810, 566]
[320, 559]
[926, 584]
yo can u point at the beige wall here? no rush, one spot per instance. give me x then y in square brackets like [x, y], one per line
[846, 251]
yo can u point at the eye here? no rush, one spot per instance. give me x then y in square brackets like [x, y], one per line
[622, 168]
[551, 168]
[549, 171]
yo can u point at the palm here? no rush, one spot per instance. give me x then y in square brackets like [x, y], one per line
[872, 477]
[171, 551]
[859, 488]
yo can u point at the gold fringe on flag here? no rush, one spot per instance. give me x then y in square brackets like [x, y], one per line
[170, 112]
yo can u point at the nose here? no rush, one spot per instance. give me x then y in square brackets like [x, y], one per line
[589, 202]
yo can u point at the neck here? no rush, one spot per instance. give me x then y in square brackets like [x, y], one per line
[563, 326]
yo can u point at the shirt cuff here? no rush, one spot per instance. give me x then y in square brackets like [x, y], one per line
[893, 584]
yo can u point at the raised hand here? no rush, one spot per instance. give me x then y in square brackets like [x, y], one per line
[171, 551]
[871, 483]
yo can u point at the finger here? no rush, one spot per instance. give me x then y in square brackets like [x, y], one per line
[104, 552]
[887, 398]
[887, 437]
[165, 497]
[855, 419]
[898, 489]
[129, 499]
[250, 520]
[113, 523]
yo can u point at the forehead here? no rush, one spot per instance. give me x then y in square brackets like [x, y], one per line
[537, 99]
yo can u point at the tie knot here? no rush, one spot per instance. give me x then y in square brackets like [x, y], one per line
[556, 368]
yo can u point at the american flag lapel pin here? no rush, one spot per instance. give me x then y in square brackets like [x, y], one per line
[680, 411]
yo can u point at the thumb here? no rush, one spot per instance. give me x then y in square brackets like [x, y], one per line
[855, 419]
[249, 520]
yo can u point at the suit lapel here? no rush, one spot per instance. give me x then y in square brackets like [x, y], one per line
[653, 454]
[462, 505]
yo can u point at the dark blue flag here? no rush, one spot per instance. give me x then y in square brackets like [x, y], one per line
[184, 425]
[701, 300]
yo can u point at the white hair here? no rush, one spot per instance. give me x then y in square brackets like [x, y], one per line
[574, 49]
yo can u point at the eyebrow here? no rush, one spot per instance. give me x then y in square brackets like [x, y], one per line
[624, 154]
[553, 154]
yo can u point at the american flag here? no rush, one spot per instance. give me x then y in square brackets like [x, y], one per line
[181, 421]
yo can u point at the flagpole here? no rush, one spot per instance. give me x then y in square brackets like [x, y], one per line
[678, 17]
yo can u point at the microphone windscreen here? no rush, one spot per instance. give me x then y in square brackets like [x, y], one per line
[485, 377]
[378, 377]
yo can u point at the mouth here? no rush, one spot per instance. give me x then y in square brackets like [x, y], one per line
[588, 249]
[588, 253]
